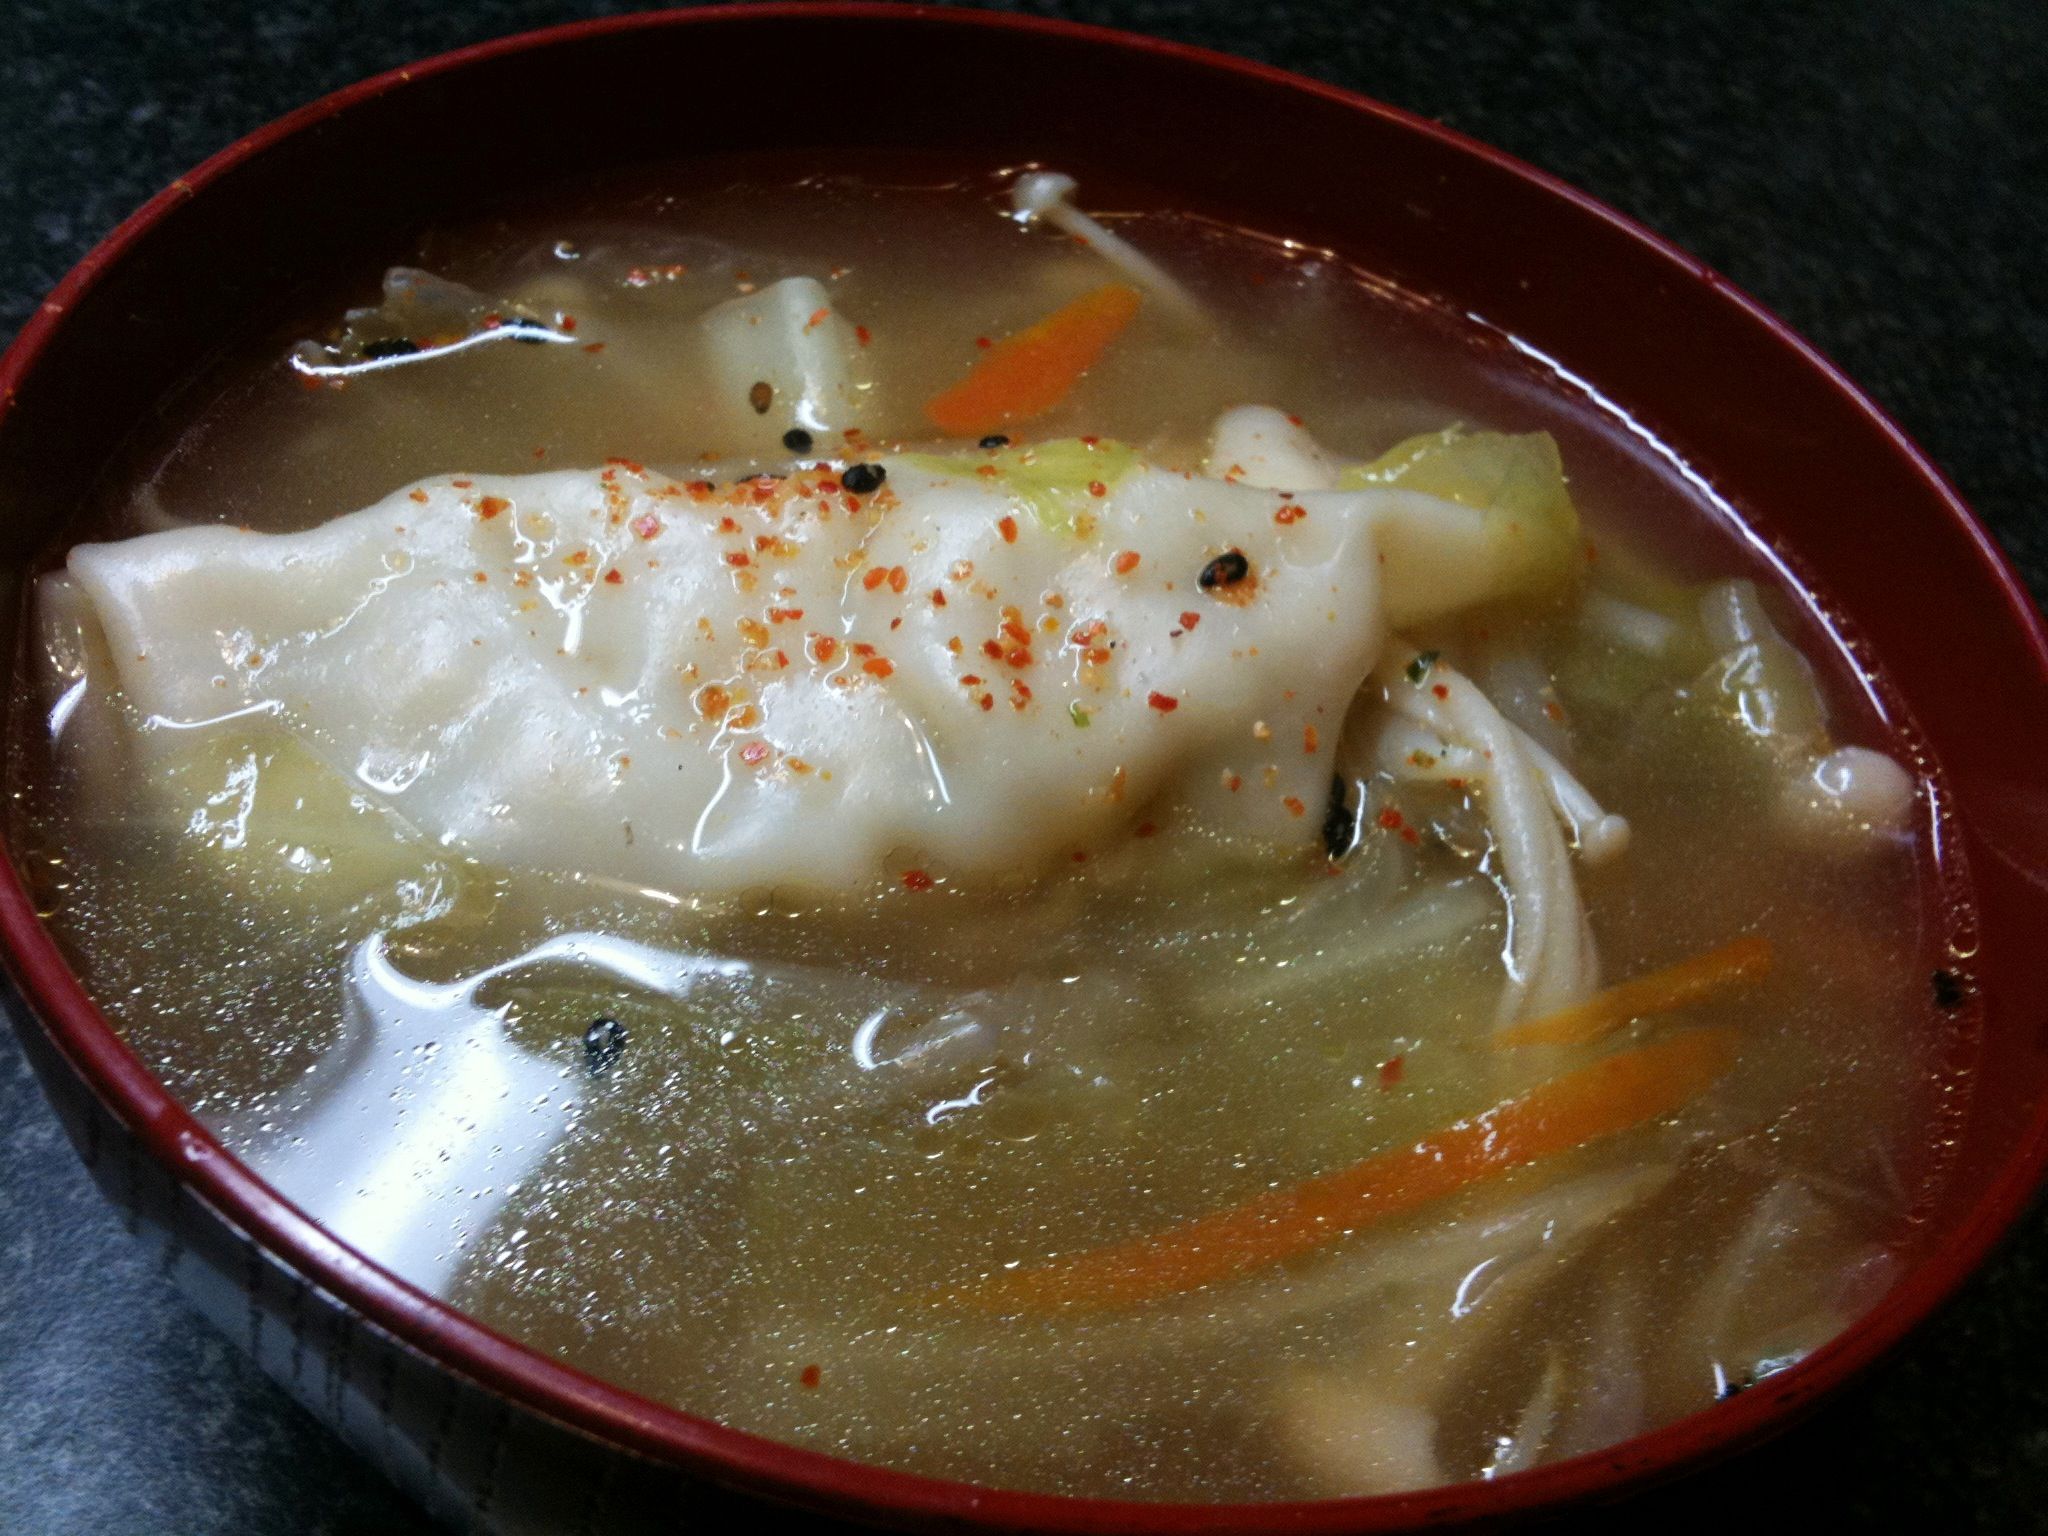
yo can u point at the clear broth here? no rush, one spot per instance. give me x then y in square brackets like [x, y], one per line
[737, 1215]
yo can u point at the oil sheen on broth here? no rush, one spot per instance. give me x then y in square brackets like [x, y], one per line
[906, 1169]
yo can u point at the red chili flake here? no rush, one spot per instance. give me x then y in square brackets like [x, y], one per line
[1125, 563]
[818, 318]
[1023, 693]
[988, 701]
[898, 578]
[1165, 703]
[1097, 488]
[1290, 514]
[1233, 783]
[739, 557]
[983, 342]
[1146, 829]
[823, 648]
[878, 666]
[462, 485]
[784, 615]
[1441, 691]
[727, 525]
[713, 701]
[1090, 442]
[478, 577]
[1391, 819]
[1008, 525]
[875, 577]
[913, 880]
[1391, 1070]
[938, 598]
[992, 649]
[419, 495]
[1016, 631]
[595, 346]
[1294, 805]
[1296, 420]
[613, 577]
[1018, 656]
[862, 650]
[1554, 710]
[1189, 620]
[969, 680]
[860, 333]
[646, 525]
[754, 753]
[1309, 740]
[569, 324]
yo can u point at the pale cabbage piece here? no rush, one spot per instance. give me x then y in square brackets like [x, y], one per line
[760, 685]
[789, 337]
[1469, 516]
[1515, 481]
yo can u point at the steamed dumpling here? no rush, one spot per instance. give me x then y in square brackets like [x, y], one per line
[781, 681]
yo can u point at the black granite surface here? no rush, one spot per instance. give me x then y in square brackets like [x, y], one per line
[1874, 170]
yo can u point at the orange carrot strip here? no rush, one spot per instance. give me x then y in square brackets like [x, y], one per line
[1027, 374]
[1621, 1091]
[1689, 981]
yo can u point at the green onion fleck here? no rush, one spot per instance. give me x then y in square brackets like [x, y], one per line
[1077, 714]
[1418, 669]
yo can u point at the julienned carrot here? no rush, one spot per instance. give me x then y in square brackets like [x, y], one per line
[1029, 373]
[1689, 981]
[1612, 1095]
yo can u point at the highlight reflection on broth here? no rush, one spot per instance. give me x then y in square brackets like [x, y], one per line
[1086, 853]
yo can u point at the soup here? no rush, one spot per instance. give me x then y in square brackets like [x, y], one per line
[1096, 855]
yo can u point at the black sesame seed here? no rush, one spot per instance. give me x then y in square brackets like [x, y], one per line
[1948, 990]
[1735, 1386]
[1226, 570]
[531, 332]
[995, 440]
[797, 440]
[391, 346]
[863, 478]
[603, 1043]
[1340, 821]
[761, 396]
[1418, 669]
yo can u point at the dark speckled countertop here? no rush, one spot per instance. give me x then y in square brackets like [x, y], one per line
[1876, 171]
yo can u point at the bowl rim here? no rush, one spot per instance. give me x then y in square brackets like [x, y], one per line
[736, 1458]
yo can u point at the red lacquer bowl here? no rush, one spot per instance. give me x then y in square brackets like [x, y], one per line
[479, 1428]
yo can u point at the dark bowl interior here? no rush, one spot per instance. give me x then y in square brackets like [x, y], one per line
[1695, 370]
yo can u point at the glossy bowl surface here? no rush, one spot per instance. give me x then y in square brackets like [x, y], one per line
[480, 1427]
